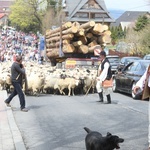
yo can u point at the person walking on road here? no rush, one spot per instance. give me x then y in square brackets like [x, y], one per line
[104, 73]
[17, 73]
[144, 85]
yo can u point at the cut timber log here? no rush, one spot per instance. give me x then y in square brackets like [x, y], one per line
[76, 24]
[66, 41]
[105, 27]
[88, 25]
[80, 32]
[83, 39]
[91, 49]
[64, 26]
[83, 49]
[78, 43]
[69, 48]
[54, 45]
[52, 53]
[93, 43]
[57, 38]
[107, 33]
[53, 39]
[73, 29]
[89, 35]
[68, 36]
[104, 39]
[98, 28]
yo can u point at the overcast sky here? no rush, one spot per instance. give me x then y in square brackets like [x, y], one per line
[128, 5]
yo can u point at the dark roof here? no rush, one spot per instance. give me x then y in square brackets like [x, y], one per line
[129, 16]
[72, 7]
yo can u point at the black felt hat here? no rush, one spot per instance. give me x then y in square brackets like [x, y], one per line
[102, 53]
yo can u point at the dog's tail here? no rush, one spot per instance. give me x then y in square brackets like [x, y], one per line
[87, 129]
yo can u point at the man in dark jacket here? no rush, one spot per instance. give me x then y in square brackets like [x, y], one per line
[17, 73]
[104, 73]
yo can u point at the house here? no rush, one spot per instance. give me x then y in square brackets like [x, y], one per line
[3, 19]
[5, 11]
[5, 6]
[83, 11]
[128, 19]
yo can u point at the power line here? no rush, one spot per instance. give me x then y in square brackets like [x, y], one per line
[140, 6]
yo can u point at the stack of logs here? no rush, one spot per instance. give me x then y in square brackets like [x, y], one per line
[76, 38]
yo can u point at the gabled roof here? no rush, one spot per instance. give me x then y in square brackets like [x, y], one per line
[81, 6]
[129, 16]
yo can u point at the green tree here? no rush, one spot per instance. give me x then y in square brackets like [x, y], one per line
[26, 15]
[117, 34]
[141, 23]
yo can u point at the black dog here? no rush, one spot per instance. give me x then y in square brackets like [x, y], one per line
[95, 141]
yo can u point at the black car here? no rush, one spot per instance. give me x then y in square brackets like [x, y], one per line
[126, 60]
[114, 62]
[125, 80]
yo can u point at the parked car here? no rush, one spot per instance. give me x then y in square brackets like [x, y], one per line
[146, 57]
[125, 80]
[114, 62]
[126, 60]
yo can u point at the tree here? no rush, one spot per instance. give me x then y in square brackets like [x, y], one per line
[145, 38]
[141, 23]
[26, 15]
[54, 15]
[117, 34]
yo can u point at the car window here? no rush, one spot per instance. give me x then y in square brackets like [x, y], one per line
[111, 60]
[134, 67]
[138, 67]
[122, 60]
[147, 57]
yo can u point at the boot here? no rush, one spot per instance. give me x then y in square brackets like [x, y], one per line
[108, 99]
[100, 97]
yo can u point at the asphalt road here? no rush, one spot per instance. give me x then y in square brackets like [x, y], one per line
[56, 122]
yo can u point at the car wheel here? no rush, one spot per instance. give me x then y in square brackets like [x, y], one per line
[134, 96]
[114, 89]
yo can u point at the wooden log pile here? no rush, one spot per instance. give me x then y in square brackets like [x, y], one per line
[76, 38]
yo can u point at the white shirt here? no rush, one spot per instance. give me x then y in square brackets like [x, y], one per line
[103, 74]
[141, 82]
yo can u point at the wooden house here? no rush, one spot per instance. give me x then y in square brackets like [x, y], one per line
[83, 11]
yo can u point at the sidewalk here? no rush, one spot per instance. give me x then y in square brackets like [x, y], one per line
[10, 136]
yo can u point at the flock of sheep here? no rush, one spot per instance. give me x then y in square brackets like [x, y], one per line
[51, 80]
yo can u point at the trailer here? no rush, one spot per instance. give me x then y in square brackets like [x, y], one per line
[75, 40]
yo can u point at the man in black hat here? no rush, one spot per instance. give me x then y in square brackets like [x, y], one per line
[104, 73]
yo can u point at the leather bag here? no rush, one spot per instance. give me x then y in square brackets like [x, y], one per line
[107, 83]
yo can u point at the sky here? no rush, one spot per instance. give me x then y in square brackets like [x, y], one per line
[117, 7]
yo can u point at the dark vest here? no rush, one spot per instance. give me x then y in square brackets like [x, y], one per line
[109, 74]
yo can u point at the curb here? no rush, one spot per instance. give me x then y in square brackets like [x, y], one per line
[16, 134]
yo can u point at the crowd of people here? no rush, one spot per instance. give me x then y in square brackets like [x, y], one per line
[13, 43]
